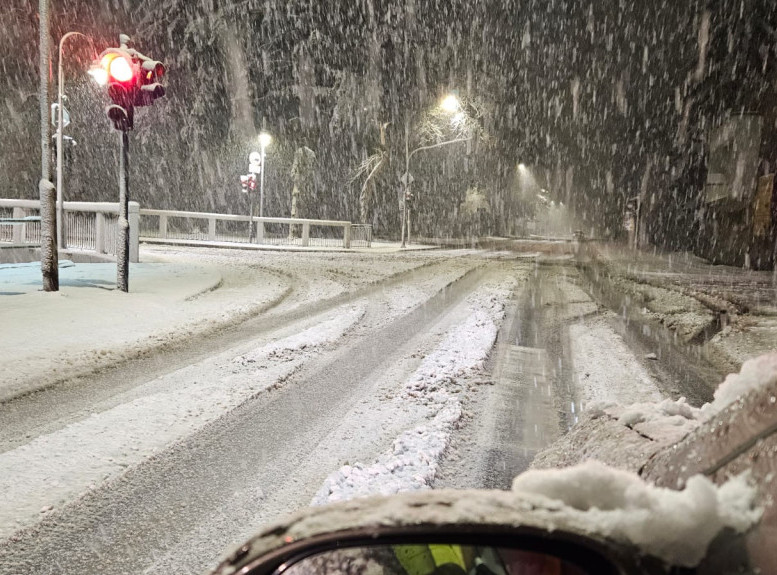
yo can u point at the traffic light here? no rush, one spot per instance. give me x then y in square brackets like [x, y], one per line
[132, 79]
[149, 88]
[248, 183]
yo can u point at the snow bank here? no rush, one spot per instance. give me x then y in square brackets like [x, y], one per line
[605, 366]
[413, 461]
[676, 526]
[320, 334]
[669, 421]
[755, 374]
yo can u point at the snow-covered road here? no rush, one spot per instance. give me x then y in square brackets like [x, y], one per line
[356, 379]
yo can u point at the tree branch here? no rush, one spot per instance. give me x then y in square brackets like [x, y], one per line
[429, 147]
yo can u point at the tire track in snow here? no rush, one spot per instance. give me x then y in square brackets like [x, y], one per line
[182, 507]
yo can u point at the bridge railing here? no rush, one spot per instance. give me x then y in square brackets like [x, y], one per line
[210, 227]
[88, 226]
[93, 226]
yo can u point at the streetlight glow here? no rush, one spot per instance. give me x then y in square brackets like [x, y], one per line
[265, 139]
[522, 166]
[450, 104]
[458, 118]
[99, 75]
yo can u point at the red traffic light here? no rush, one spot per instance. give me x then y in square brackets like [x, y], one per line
[121, 70]
[115, 66]
[132, 80]
[248, 182]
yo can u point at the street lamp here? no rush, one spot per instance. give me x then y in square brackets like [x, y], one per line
[450, 104]
[265, 140]
[60, 150]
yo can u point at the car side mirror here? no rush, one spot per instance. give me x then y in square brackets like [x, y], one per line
[447, 550]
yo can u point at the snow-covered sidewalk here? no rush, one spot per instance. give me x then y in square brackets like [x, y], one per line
[50, 336]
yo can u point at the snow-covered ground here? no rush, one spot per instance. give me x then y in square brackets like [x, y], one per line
[56, 468]
[392, 440]
[174, 293]
[413, 459]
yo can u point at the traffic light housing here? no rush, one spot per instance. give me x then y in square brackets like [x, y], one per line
[133, 80]
[248, 182]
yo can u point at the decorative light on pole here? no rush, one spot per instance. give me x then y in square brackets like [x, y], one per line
[265, 140]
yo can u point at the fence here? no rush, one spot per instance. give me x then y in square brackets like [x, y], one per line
[88, 226]
[206, 227]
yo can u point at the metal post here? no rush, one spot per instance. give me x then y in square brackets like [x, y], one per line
[46, 191]
[60, 154]
[44, 64]
[251, 214]
[60, 149]
[122, 253]
[261, 187]
[407, 172]
[409, 211]
[49, 263]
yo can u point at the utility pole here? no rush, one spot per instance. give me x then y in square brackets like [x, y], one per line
[49, 260]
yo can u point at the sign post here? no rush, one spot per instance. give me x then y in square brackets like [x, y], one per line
[249, 185]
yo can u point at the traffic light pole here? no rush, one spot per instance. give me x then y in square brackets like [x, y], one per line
[122, 257]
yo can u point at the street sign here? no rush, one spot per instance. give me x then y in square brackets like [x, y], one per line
[55, 116]
[407, 178]
[255, 163]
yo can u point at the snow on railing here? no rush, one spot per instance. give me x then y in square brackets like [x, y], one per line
[209, 227]
[92, 226]
[88, 226]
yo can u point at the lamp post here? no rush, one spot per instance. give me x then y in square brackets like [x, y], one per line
[265, 140]
[450, 104]
[60, 151]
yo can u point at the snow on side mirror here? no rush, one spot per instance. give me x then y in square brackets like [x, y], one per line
[442, 532]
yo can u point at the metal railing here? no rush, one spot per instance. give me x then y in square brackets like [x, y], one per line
[88, 226]
[209, 227]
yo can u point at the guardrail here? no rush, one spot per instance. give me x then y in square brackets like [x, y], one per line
[210, 227]
[88, 226]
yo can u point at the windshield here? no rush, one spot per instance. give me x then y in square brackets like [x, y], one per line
[261, 255]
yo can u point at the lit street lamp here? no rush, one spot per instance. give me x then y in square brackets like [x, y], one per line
[450, 104]
[265, 140]
[60, 150]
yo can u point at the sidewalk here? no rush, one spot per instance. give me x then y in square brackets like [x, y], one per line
[746, 290]
[730, 312]
[50, 336]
